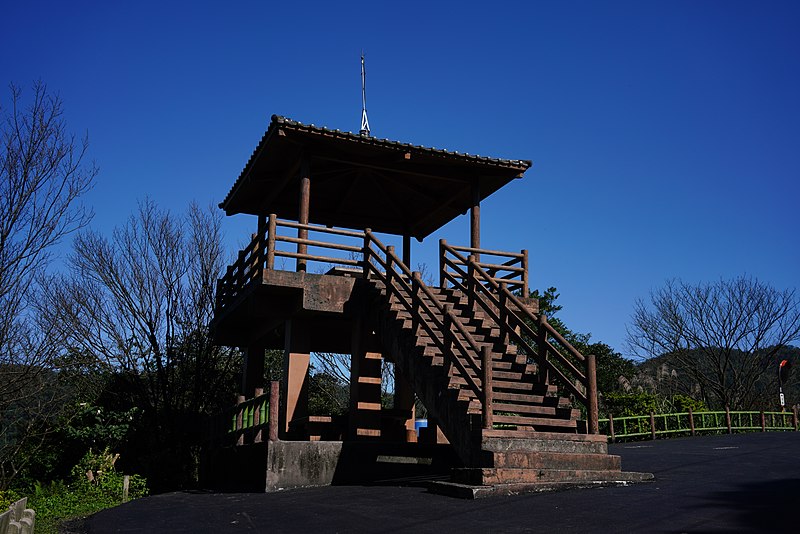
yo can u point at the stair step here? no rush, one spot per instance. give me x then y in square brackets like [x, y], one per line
[538, 423]
[551, 411]
[494, 476]
[555, 460]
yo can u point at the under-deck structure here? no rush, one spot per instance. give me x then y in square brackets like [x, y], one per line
[514, 400]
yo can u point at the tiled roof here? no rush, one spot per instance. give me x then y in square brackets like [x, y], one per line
[279, 122]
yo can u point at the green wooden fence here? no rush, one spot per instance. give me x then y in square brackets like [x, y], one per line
[631, 428]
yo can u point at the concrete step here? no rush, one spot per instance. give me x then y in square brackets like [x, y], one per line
[495, 476]
[555, 460]
[515, 440]
[544, 424]
[544, 411]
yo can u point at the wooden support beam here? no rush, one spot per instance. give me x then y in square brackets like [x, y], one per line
[407, 250]
[302, 217]
[253, 372]
[475, 217]
[296, 361]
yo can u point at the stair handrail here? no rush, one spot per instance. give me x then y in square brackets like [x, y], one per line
[395, 282]
[504, 316]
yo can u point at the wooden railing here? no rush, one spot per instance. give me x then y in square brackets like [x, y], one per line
[692, 423]
[249, 421]
[509, 268]
[489, 283]
[260, 255]
[457, 346]
[556, 358]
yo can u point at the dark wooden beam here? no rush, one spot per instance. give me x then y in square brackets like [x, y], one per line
[475, 216]
[302, 217]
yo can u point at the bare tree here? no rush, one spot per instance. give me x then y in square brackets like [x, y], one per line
[725, 336]
[43, 173]
[142, 302]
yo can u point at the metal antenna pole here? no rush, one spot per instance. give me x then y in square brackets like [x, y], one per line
[364, 120]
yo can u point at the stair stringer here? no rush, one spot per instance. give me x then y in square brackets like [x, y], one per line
[430, 382]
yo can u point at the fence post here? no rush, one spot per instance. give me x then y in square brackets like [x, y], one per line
[691, 420]
[592, 410]
[611, 426]
[794, 417]
[257, 414]
[763, 422]
[272, 225]
[274, 402]
[728, 419]
[488, 395]
[239, 420]
[652, 425]
[126, 484]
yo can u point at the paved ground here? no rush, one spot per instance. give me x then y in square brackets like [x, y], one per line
[740, 483]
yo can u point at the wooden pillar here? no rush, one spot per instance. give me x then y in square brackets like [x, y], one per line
[302, 212]
[475, 217]
[404, 400]
[296, 360]
[592, 408]
[253, 369]
[407, 250]
[365, 386]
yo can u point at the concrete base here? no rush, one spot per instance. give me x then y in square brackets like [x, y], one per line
[280, 465]
[297, 464]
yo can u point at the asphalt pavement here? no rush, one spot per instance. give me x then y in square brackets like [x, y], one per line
[728, 483]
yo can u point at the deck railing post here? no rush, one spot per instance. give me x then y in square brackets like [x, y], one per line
[525, 293]
[415, 283]
[448, 338]
[272, 226]
[257, 414]
[691, 421]
[471, 280]
[488, 396]
[592, 409]
[240, 420]
[367, 251]
[442, 264]
[274, 401]
[544, 373]
[390, 273]
[503, 313]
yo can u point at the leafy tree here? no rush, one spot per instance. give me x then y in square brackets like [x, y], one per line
[725, 336]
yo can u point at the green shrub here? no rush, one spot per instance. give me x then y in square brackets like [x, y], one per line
[85, 493]
[682, 403]
[7, 498]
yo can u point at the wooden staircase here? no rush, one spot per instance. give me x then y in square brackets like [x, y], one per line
[521, 432]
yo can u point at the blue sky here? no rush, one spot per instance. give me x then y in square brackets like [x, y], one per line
[665, 135]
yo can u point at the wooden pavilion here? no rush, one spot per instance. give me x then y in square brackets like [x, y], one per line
[516, 403]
